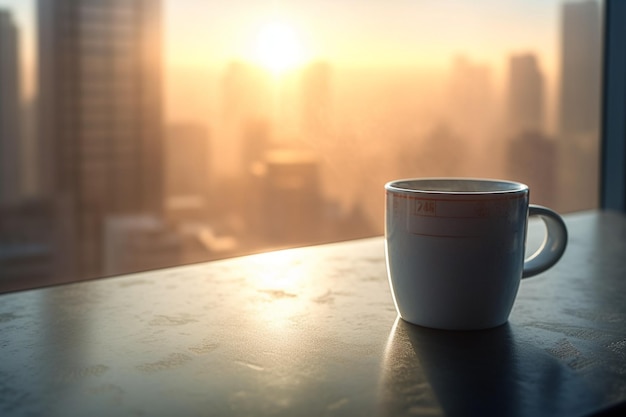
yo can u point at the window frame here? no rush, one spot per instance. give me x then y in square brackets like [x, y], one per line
[613, 112]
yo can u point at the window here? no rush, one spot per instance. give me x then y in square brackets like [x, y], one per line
[614, 111]
[186, 131]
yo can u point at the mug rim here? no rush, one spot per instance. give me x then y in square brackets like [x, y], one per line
[491, 186]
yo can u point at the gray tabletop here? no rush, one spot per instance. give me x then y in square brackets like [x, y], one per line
[313, 331]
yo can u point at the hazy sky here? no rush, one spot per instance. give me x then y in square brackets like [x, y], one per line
[349, 32]
[373, 32]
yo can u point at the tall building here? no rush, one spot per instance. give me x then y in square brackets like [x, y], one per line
[531, 155]
[316, 100]
[187, 170]
[471, 99]
[293, 201]
[581, 48]
[579, 103]
[33, 248]
[525, 94]
[246, 99]
[100, 120]
[532, 159]
[10, 175]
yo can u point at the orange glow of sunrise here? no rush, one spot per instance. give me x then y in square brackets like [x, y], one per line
[278, 47]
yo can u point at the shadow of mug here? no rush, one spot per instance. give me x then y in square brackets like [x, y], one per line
[482, 373]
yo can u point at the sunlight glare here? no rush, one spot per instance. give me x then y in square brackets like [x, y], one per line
[278, 47]
[280, 279]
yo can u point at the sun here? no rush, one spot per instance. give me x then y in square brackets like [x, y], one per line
[278, 47]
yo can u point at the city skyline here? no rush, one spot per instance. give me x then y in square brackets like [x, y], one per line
[476, 106]
[198, 97]
[148, 164]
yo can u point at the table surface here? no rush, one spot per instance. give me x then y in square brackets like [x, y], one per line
[313, 331]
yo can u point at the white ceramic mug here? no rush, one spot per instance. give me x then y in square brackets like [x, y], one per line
[455, 249]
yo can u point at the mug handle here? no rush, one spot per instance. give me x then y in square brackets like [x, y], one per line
[553, 244]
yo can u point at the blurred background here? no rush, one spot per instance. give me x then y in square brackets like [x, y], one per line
[141, 134]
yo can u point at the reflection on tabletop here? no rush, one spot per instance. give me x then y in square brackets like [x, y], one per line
[478, 373]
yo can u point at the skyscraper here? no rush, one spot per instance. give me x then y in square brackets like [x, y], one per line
[471, 99]
[246, 99]
[187, 169]
[531, 156]
[525, 94]
[316, 100]
[581, 46]
[10, 176]
[579, 103]
[100, 113]
[293, 200]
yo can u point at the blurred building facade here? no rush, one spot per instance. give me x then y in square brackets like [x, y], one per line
[316, 103]
[100, 136]
[525, 96]
[471, 99]
[533, 159]
[579, 102]
[34, 250]
[246, 101]
[292, 198]
[532, 156]
[187, 171]
[138, 243]
[581, 49]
